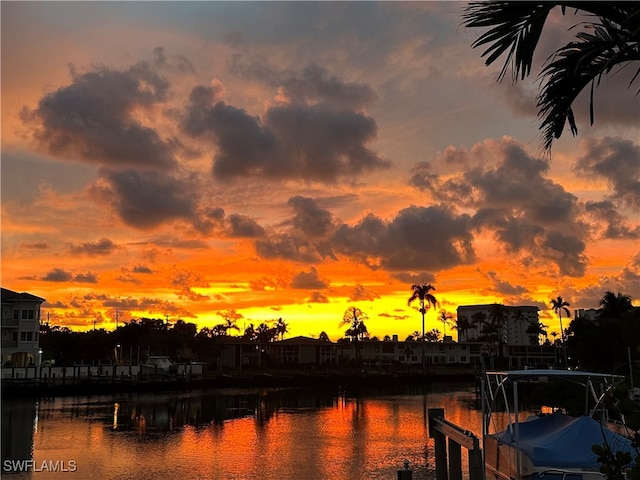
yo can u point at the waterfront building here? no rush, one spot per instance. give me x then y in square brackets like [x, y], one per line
[20, 329]
[587, 313]
[513, 330]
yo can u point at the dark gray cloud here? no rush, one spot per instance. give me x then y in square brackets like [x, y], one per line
[141, 269]
[178, 63]
[414, 278]
[418, 238]
[310, 142]
[309, 280]
[214, 220]
[104, 246]
[513, 198]
[87, 277]
[503, 287]
[361, 293]
[288, 247]
[58, 275]
[317, 297]
[616, 226]
[313, 84]
[146, 199]
[92, 119]
[43, 245]
[308, 234]
[61, 275]
[311, 220]
[617, 160]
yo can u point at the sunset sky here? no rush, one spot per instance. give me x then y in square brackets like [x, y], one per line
[271, 160]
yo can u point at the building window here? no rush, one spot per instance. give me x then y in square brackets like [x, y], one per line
[27, 314]
[463, 359]
[16, 314]
[14, 337]
[29, 336]
[290, 354]
[23, 336]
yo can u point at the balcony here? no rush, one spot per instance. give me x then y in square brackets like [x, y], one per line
[10, 322]
[9, 344]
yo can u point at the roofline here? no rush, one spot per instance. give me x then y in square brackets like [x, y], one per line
[10, 295]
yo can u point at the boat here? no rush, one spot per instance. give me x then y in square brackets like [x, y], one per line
[547, 446]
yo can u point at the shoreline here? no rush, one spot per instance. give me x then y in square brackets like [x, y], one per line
[100, 386]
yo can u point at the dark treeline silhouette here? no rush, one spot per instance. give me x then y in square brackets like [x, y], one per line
[603, 344]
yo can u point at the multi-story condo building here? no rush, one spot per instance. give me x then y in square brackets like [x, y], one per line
[20, 329]
[513, 330]
[588, 313]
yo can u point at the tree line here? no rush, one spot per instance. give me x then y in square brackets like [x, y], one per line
[602, 344]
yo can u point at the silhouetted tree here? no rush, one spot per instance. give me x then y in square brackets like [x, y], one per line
[282, 328]
[421, 293]
[536, 328]
[357, 331]
[432, 335]
[559, 306]
[613, 305]
[607, 42]
[462, 325]
[445, 317]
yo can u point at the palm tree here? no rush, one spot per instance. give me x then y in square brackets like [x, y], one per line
[445, 317]
[462, 325]
[421, 293]
[354, 317]
[535, 329]
[613, 305]
[281, 328]
[607, 42]
[478, 320]
[432, 335]
[497, 319]
[560, 306]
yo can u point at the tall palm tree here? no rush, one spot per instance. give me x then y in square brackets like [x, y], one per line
[613, 305]
[559, 306]
[607, 42]
[462, 326]
[421, 293]
[478, 320]
[281, 328]
[535, 329]
[445, 317]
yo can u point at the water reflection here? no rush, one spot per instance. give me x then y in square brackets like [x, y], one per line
[19, 421]
[225, 434]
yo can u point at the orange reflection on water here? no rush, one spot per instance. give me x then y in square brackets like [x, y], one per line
[271, 435]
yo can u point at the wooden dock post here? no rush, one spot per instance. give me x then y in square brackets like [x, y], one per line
[442, 430]
[439, 442]
[455, 460]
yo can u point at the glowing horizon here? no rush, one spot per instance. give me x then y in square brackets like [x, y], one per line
[180, 160]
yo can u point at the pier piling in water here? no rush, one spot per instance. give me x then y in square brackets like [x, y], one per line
[442, 431]
[405, 474]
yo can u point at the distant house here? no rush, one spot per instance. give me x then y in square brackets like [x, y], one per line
[304, 350]
[20, 328]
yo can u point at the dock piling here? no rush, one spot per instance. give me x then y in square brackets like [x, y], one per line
[442, 430]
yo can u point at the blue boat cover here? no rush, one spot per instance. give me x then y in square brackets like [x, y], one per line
[558, 440]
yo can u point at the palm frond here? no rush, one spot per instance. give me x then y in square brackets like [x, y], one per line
[572, 68]
[517, 27]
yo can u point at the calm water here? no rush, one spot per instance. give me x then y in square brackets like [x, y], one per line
[231, 434]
